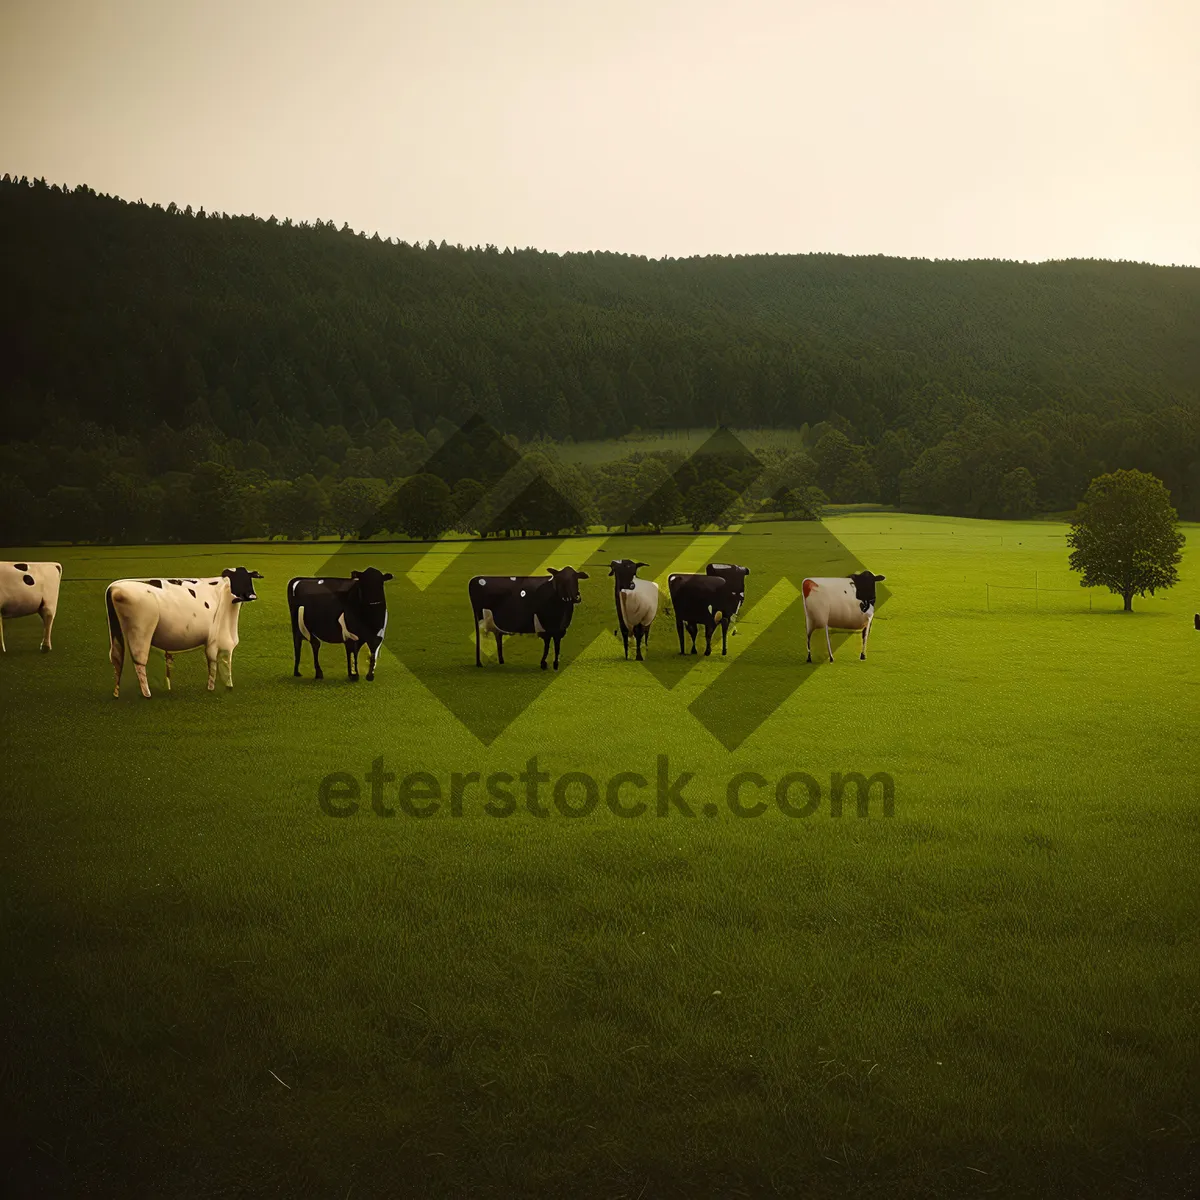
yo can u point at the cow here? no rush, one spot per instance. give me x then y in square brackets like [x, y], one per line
[27, 588]
[516, 604]
[351, 611]
[707, 600]
[175, 615]
[846, 602]
[637, 603]
[736, 578]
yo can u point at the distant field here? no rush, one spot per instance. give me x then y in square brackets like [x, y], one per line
[686, 441]
[216, 988]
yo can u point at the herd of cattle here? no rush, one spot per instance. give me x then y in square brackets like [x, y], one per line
[179, 614]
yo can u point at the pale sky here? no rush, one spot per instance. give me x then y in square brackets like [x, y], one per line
[1026, 129]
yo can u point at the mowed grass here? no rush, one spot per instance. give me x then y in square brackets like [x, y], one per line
[685, 441]
[214, 988]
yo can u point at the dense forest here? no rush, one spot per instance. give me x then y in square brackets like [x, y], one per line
[179, 374]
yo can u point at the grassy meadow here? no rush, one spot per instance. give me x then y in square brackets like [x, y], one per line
[216, 988]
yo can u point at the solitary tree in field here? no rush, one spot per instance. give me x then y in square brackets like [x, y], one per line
[1125, 536]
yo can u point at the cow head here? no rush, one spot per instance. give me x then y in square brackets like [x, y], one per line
[734, 575]
[625, 570]
[864, 588]
[566, 584]
[370, 585]
[241, 583]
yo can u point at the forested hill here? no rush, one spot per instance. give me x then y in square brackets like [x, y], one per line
[128, 310]
[126, 320]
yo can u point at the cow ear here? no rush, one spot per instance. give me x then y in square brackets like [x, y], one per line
[746, 570]
[636, 565]
[581, 574]
[227, 573]
[880, 578]
[355, 574]
[552, 570]
[388, 576]
[256, 574]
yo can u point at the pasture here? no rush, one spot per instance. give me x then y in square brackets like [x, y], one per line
[214, 987]
[683, 441]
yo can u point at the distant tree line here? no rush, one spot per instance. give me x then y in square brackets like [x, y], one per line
[410, 487]
[171, 373]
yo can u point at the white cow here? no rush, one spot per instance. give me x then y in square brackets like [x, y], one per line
[637, 603]
[847, 602]
[27, 588]
[175, 615]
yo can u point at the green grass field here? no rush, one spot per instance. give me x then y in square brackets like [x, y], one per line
[213, 988]
[683, 441]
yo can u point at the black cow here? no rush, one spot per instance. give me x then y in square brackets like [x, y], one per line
[512, 604]
[707, 600]
[736, 577]
[351, 611]
[637, 603]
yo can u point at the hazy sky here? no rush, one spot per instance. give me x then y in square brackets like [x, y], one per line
[1024, 129]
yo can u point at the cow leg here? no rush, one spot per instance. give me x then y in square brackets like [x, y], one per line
[351, 665]
[500, 647]
[212, 669]
[372, 651]
[140, 670]
[47, 622]
[4, 648]
[708, 632]
[478, 660]
[228, 656]
[317, 672]
[694, 630]
[625, 639]
[865, 632]
[298, 640]
[116, 656]
[808, 641]
[639, 636]
[724, 635]
[557, 644]
[170, 658]
[546, 651]
[828, 644]
[679, 630]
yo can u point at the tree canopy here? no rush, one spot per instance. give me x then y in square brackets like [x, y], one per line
[1125, 536]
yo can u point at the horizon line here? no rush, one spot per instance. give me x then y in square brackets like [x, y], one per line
[318, 222]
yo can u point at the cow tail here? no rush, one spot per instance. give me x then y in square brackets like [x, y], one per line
[114, 626]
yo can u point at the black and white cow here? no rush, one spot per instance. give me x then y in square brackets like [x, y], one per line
[736, 577]
[637, 603]
[514, 604]
[847, 602]
[27, 588]
[351, 611]
[706, 601]
[175, 615]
